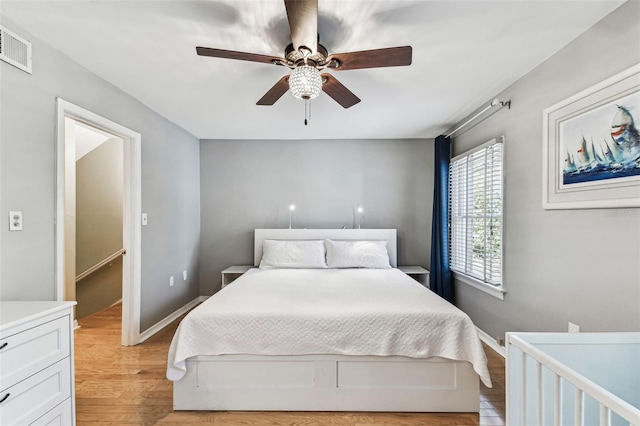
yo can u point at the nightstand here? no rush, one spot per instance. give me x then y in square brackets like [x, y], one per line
[418, 273]
[233, 272]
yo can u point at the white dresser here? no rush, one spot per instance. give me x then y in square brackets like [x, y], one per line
[36, 363]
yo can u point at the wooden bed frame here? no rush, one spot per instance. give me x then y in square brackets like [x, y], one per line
[327, 382]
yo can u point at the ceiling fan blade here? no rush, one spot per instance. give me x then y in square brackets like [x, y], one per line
[276, 92]
[303, 22]
[377, 58]
[338, 92]
[243, 56]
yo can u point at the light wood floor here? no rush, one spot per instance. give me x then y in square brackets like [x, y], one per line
[118, 385]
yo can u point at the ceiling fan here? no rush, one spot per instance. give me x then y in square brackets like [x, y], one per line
[306, 57]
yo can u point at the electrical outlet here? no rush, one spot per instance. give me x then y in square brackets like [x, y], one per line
[184, 275]
[171, 281]
[574, 328]
[15, 221]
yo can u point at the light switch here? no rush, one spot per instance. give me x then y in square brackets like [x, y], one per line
[15, 221]
[144, 219]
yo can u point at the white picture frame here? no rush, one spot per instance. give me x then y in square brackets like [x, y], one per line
[588, 160]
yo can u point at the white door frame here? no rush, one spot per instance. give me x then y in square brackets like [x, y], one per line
[132, 227]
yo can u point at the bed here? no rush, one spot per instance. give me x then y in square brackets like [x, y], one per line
[326, 339]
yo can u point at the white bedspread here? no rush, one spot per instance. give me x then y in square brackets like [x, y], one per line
[327, 311]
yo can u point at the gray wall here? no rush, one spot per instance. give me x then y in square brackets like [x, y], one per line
[99, 203]
[170, 181]
[581, 266]
[99, 290]
[247, 184]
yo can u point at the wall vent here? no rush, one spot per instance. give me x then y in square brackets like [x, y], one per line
[15, 50]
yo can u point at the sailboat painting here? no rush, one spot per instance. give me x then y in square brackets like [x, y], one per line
[601, 144]
[591, 146]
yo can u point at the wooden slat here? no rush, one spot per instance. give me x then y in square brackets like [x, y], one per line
[605, 415]
[578, 412]
[539, 392]
[523, 389]
[557, 401]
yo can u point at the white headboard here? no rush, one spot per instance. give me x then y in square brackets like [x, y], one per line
[321, 234]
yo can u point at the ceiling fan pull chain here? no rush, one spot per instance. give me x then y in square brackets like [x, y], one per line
[307, 111]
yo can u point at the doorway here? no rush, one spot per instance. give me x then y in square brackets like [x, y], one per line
[84, 141]
[94, 184]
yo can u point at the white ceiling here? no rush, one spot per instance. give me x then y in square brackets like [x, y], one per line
[464, 53]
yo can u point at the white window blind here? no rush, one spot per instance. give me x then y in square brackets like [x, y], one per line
[475, 191]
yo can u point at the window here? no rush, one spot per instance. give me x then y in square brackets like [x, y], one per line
[475, 191]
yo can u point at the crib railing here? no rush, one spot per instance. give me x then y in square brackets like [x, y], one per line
[537, 388]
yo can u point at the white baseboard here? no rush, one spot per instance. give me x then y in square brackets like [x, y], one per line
[75, 325]
[491, 342]
[170, 318]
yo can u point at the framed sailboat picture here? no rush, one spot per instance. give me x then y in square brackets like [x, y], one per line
[591, 146]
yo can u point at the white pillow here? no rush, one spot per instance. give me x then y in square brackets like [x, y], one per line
[293, 254]
[357, 254]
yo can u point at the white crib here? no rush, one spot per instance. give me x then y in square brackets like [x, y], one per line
[573, 379]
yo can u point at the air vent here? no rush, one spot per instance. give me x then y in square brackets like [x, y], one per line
[15, 50]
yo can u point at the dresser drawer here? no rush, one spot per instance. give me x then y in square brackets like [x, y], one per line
[27, 352]
[61, 415]
[32, 398]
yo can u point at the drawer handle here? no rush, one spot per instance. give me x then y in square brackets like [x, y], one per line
[4, 398]
[4, 345]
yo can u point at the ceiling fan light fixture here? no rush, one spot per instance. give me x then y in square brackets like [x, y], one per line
[305, 82]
